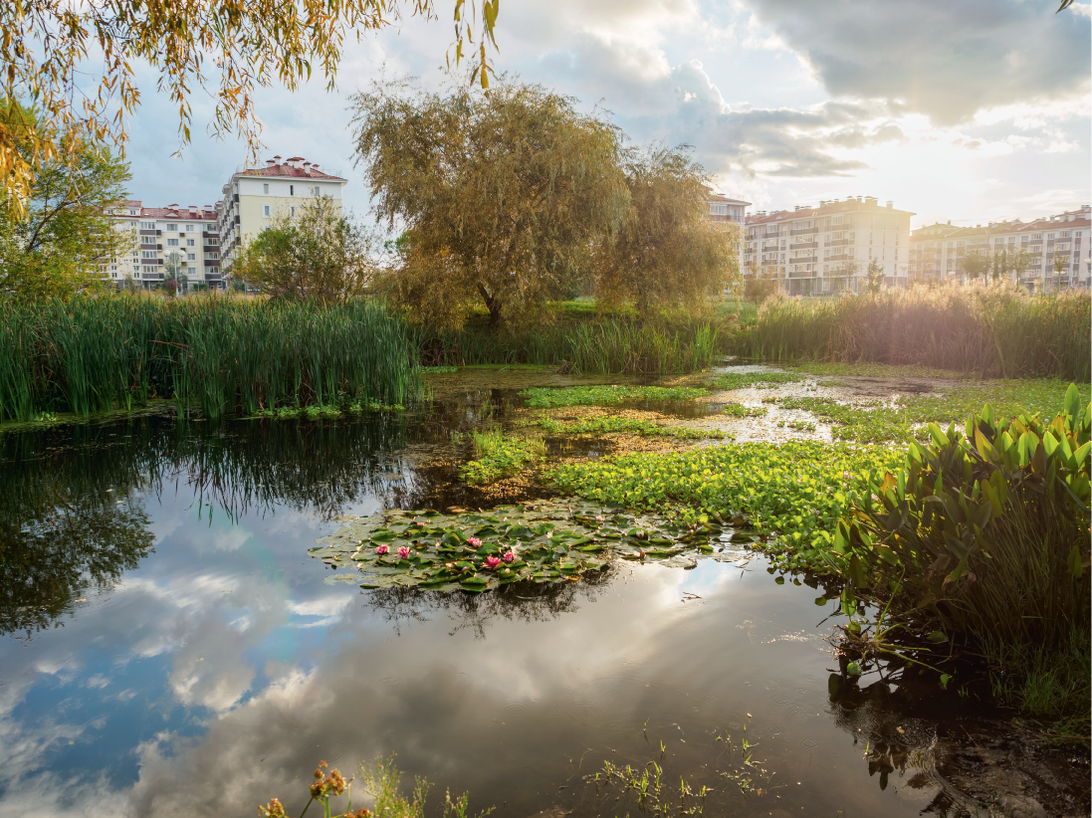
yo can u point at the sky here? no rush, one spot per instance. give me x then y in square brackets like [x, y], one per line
[972, 112]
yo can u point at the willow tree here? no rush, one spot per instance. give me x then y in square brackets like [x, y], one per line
[503, 195]
[49, 50]
[668, 251]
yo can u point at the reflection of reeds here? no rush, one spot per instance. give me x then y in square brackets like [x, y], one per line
[601, 346]
[223, 355]
[986, 330]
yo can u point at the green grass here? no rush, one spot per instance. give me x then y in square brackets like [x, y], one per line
[499, 456]
[220, 355]
[794, 492]
[633, 426]
[546, 398]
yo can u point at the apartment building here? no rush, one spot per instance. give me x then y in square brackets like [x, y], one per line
[254, 197]
[185, 239]
[939, 251]
[725, 209]
[828, 249]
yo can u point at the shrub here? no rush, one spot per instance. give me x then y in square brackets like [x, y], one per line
[985, 532]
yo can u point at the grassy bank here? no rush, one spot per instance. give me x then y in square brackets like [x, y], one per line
[984, 330]
[221, 355]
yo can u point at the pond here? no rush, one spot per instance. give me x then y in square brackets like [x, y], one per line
[169, 648]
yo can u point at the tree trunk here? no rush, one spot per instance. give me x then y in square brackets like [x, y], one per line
[493, 304]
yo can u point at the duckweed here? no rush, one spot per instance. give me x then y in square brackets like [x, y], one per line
[738, 410]
[499, 456]
[760, 380]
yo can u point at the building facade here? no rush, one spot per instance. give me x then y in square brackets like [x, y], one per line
[1045, 254]
[166, 242]
[828, 249]
[255, 197]
[725, 209]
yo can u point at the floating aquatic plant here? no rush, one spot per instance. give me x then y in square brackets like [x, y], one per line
[541, 542]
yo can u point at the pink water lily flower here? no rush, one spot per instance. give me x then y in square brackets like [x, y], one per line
[403, 552]
[510, 556]
[474, 541]
[492, 562]
[382, 549]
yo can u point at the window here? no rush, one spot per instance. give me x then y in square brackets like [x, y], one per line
[1064, 234]
[147, 225]
[266, 209]
[172, 242]
[172, 227]
[192, 271]
[147, 253]
[148, 269]
[191, 257]
[291, 190]
[291, 212]
[189, 228]
[318, 192]
[265, 189]
[132, 212]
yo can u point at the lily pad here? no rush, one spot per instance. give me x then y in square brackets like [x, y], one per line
[542, 541]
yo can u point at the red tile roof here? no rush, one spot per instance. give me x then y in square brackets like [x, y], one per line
[284, 169]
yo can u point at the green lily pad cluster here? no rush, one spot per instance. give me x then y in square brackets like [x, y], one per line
[759, 380]
[623, 425]
[539, 542]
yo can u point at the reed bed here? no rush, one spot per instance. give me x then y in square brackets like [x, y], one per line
[595, 346]
[221, 355]
[985, 330]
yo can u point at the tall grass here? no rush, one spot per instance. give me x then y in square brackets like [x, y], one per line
[983, 329]
[222, 355]
[594, 346]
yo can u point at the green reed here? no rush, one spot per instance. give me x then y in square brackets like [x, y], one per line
[983, 329]
[596, 345]
[220, 355]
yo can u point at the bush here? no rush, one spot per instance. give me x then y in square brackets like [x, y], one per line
[984, 533]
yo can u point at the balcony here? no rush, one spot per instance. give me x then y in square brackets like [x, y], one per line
[806, 231]
[807, 245]
[811, 259]
[840, 257]
[839, 243]
[801, 274]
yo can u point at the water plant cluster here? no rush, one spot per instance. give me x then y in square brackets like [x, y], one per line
[497, 455]
[792, 494]
[219, 355]
[540, 542]
[609, 424]
[607, 395]
[985, 330]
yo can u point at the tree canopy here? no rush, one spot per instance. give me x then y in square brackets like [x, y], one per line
[64, 235]
[667, 251]
[317, 253]
[48, 48]
[503, 195]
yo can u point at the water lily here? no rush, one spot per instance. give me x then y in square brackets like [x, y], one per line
[510, 556]
[474, 541]
[382, 549]
[404, 552]
[492, 562]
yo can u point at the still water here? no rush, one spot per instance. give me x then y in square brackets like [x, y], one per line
[168, 648]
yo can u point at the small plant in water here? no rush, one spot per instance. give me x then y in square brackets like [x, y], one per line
[381, 784]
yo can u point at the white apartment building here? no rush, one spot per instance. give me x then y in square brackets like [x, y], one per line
[254, 197]
[165, 236]
[725, 209]
[827, 249]
[937, 251]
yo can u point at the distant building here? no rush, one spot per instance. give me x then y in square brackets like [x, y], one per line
[254, 197]
[827, 249]
[724, 209]
[938, 251]
[163, 237]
